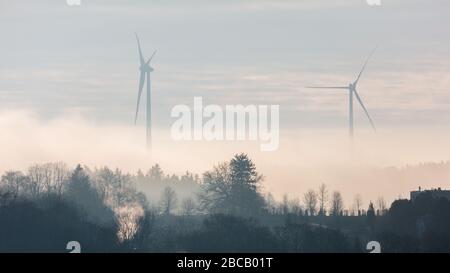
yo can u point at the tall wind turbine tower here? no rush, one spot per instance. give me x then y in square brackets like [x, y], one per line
[145, 70]
[352, 92]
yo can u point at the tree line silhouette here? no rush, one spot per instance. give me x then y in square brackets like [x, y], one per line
[225, 210]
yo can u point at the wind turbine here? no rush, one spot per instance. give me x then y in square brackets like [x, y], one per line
[145, 70]
[352, 91]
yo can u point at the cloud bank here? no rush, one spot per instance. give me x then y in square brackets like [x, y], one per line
[373, 166]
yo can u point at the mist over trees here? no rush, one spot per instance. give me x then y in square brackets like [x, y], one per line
[154, 181]
[224, 210]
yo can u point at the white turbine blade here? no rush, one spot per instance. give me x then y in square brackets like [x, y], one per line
[149, 60]
[141, 86]
[364, 66]
[327, 87]
[141, 56]
[365, 110]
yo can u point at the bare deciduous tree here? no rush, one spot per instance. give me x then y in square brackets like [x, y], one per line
[271, 204]
[295, 206]
[128, 219]
[358, 203]
[60, 175]
[216, 189]
[36, 180]
[188, 206]
[381, 205]
[310, 200]
[337, 204]
[285, 205]
[233, 187]
[47, 178]
[168, 200]
[323, 198]
[13, 182]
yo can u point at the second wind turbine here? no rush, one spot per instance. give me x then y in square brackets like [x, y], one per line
[145, 70]
[352, 91]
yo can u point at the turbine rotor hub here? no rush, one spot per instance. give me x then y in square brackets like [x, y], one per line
[146, 68]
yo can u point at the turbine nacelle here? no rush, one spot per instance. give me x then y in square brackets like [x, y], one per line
[146, 68]
[145, 65]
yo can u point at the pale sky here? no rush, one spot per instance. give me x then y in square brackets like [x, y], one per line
[55, 57]
[77, 67]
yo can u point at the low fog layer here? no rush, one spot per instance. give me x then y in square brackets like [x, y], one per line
[389, 163]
